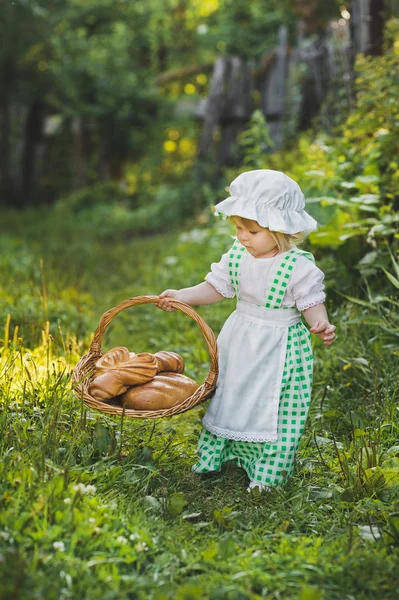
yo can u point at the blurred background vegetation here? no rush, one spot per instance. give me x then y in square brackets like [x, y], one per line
[121, 124]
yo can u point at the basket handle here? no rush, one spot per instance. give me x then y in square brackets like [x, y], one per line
[95, 346]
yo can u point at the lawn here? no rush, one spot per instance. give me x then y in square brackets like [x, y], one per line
[99, 507]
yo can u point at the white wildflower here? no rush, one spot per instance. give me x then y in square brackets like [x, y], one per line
[133, 537]
[67, 500]
[369, 532]
[202, 29]
[171, 260]
[195, 236]
[142, 547]
[59, 546]
[81, 488]
[121, 539]
[92, 520]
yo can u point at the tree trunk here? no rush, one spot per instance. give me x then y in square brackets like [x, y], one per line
[32, 138]
[7, 192]
[367, 26]
[78, 157]
[376, 27]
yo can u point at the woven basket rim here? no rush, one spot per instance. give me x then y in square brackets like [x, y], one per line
[83, 372]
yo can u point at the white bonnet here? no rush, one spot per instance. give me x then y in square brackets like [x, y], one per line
[270, 198]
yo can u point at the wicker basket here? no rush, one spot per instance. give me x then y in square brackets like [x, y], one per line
[84, 370]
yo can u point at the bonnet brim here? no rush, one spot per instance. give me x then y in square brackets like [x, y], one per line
[275, 219]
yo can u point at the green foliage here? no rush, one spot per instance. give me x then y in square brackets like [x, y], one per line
[107, 211]
[96, 76]
[92, 67]
[255, 141]
[91, 196]
[247, 29]
[296, 76]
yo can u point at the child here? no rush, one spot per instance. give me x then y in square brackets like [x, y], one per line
[258, 412]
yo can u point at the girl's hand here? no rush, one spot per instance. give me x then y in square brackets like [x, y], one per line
[325, 331]
[165, 297]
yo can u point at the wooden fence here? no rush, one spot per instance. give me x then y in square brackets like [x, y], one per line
[292, 83]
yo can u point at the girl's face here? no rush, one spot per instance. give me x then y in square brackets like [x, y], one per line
[256, 239]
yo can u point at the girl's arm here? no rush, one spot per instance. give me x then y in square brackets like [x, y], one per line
[203, 293]
[317, 318]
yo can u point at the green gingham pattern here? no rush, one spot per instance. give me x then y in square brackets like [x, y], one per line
[278, 287]
[271, 463]
[236, 253]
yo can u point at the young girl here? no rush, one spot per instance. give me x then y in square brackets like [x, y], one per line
[258, 413]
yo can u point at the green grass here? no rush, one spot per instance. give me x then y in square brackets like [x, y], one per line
[93, 507]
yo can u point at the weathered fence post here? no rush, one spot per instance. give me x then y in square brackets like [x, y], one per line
[367, 26]
[301, 78]
[228, 106]
[213, 106]
[238, 105]
[274, 89]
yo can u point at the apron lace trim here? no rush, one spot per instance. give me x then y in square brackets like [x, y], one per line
[232, 435]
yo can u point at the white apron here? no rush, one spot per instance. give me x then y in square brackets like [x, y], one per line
[252, 348]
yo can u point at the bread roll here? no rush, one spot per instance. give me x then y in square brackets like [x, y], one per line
[133, 368]
[119, 370]
[112, 358]
[169, 361]
[106, 386]
[164, 391]
[139, 369]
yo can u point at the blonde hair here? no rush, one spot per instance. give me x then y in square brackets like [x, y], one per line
[284, 241]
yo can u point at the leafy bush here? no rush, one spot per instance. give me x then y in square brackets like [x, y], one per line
[104, 193]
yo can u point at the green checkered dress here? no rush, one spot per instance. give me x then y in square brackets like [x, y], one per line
[269, 463]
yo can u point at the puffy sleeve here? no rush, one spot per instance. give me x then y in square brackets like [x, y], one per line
[219, 277]
[307, 287]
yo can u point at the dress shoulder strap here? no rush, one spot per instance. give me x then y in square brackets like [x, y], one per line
[308, 255]
[276, 292]
[235, 253]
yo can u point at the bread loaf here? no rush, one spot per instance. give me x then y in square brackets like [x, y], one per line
[164, 391]
[169, 361]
